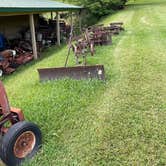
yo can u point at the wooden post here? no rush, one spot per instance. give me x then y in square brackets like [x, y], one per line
[33, 37]
[71, 18]
[58, 29]
[80, 21]
[52, 17]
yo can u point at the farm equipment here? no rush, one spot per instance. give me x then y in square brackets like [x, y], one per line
[80, 49]
[78, 73]
[116, 27]
[99, 35]
[5, 67]
[11, 59]
[20, 139]
[102, 35]
[84, 44]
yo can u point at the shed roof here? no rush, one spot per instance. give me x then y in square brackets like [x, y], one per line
[9, 6]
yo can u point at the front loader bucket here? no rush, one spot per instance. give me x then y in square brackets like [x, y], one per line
[78, 73]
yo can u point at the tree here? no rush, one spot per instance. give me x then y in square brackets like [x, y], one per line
[98, 8]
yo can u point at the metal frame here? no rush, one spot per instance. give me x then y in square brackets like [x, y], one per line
[7, 114]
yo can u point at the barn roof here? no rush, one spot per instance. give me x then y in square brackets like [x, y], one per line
[9, 6]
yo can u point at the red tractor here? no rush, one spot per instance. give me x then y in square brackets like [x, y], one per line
[19, 139]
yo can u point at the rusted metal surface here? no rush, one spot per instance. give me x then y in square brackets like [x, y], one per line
[81, 46]
[4, 103]
[116, 27]
[24, 144]
[81, 49]
[99, 35]
[78, 73]
[19, 140]
[18, 112]
[5, 58]
[7, 114]
[11, 59]
[102, 35]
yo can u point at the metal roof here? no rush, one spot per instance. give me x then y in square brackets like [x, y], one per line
[9, 6]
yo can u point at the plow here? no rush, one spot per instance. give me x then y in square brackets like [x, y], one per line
[78, 73]
[19, 139]
[82, 46]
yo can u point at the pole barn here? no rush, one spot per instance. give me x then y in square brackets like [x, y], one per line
[22, 9]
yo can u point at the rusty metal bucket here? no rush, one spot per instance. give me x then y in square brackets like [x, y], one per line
[78, 73]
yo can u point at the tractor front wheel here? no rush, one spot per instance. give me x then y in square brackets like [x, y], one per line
[1, 72]
[21, 142]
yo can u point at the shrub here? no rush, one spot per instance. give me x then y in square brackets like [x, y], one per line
[98, 8]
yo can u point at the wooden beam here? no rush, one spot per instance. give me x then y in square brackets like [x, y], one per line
[52, 17]
[71, 18]
[33, 36]
[19, 14]
[80, 20]
[58, 29]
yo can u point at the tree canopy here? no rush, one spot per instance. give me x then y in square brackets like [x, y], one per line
[98, 8]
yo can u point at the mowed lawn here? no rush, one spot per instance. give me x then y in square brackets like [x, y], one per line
[118, 122]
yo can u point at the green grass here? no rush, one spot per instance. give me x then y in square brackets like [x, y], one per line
[119, 122]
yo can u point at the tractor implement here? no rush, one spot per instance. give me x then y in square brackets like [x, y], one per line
[20, 140]
[81, 48]
[78, 73]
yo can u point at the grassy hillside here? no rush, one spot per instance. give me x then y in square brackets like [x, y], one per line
[119, 122]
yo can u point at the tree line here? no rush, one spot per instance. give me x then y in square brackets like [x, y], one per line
[98, 8]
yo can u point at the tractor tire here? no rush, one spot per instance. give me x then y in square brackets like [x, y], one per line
[22, 141]
[1, 72]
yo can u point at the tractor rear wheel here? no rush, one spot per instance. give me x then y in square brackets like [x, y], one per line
[21, 142]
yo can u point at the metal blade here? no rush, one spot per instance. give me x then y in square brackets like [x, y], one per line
[78, 73]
